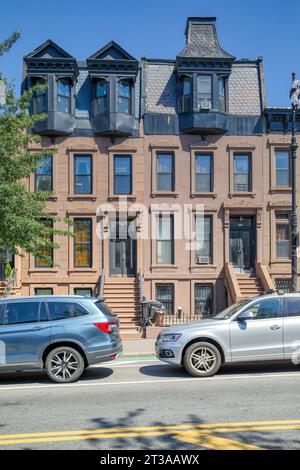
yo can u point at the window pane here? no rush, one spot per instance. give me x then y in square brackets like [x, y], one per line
[83, 243]
[241, 173]
[43, 291]
[21, 312]
[282, 160]
[265, 309]
[124, 88]
[65, 310]
[203, 250]
[164, 252]
[293, 307]
[241, 164]
[124, 105]
[203, 173]
[164, 293]
[222, 94]
[204, 88]
[203, 183]
[203, 300]
[43, 183]
[282, 178]
[43, 174]
[101, 89]
[83, 174]
[124, 96]
[63, 88]
[165, 239]
[165, 172]
[122, 174]
[63, 104]
[85, 291]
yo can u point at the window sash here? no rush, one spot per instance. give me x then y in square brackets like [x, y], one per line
[204, 90]
[83, 243]
[165, 174]
[203, 243]
[242, 173]
[203, 181]
[123, 174]
[222, 94]
[164, 239]
[164, 293]
[83, 173]
[44, 174]
[63, 96]
[203, 294]
[124, 97]
[283, 239]
[38, 262]
[282, 168]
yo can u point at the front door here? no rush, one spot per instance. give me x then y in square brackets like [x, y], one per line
[122, 248]
[242, 243]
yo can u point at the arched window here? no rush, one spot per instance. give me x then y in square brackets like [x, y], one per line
[101, 97]
[63, 96]
[39, 99]
[186, 94]
[124, 102]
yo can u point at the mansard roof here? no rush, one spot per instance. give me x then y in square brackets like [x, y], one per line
[202, 40]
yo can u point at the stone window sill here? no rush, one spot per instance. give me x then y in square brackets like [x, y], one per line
[117, 197]
[82, 270]
[242, 194]
[164, 194]
[203, 194]
[163, 267]
[280, 189]
[81, 197]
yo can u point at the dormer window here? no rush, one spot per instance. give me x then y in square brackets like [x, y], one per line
[222, 94]
[124, 101]
[204, 91]
[101, 97]
[187, 97]
[63, 96]
[39, 100]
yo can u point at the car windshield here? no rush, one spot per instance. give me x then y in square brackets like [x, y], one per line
[229, 311]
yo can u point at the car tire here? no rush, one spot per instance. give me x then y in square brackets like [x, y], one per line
[208, 363]
[64, 365]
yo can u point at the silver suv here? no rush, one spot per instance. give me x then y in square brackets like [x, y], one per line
[255, 329]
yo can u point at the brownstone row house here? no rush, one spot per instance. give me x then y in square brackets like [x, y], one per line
[166, 136]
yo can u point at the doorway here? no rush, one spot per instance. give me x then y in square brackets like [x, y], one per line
[242, 243]
[122, 247]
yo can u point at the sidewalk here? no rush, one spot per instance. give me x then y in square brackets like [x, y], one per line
[138, 347]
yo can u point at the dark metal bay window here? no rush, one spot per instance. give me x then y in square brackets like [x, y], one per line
[83, 170]
[122, 174]
[165, 239]
[282, 162]
[283, 244]
[222, 94]
[204, 91]
[45, 250]
[187, 95]
[165, 172]
[63, 96]
[204, 300]
[124, 102]
[203, 250]
[101, 97]
[203, 166]
[83, 243]
[242, 173]
[164, 293]
[44, 174]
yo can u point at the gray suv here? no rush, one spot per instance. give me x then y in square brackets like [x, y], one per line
[255, 329]
[61, 335]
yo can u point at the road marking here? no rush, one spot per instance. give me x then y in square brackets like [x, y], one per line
[147, 382]
[197, 434]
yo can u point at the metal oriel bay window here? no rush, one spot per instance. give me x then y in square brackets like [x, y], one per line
[83, 243]
[282, 161]
[283, 236]
[204, 91]
[124, 103]
[204, 300]
[44, 174]
[203, 165]
[242, 173]
[101, 97]
[203, 252]
[165, 239]
[63, 96]
[46, 251]
[83, 171]
[165, 171]
[122, 174]
[164, 293]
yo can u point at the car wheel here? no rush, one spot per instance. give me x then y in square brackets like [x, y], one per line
[202, 359]
[64, 365]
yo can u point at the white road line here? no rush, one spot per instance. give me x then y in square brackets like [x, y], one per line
[147, 382]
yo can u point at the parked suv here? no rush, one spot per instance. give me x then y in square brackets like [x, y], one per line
[256, 329]
[61, 335]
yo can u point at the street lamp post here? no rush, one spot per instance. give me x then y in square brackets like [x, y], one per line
[294, 95]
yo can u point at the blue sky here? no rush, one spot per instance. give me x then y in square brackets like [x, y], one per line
[155, 28]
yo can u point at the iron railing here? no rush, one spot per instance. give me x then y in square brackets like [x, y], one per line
[178, 319]
[101, 286]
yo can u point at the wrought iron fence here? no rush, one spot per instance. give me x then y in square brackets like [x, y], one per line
[178, 319]
[284, 285]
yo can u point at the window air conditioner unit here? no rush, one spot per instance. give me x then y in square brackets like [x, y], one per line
[203, 259]
[205, 105]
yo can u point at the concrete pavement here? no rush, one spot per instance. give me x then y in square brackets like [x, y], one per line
[144, 404]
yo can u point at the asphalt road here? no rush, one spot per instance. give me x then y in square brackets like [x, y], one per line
[144, 404]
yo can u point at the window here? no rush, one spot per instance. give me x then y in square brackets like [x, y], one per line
[165, 172]
[101, 96]
[282, 159]
[44, 174]
[124, 103]
[122, 174]
[203, 166]
[282, 235]
[203, 239]
[63, 96]
[39, 98]
[204, 91]
[187, 97]
[83, 243]
[242, 173]
[164, 293]
[65, 310]
[85, 291]
[204, 300]
[292, 307]
[83, 170]
[165, 239]
[265, 309]
[43, 291]
[46, 250]
[222, 94]
[21, 312]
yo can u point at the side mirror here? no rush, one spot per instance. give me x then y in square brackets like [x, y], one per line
[248, 315]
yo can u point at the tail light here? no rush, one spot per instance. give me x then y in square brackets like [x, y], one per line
[108, 327]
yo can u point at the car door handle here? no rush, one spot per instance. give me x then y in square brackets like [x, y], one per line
[275, 327]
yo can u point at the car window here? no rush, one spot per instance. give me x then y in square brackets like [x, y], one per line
[265, 308]
[20, 312]
[292, 307]
[43, 313]
[104, 308]
[65, 310]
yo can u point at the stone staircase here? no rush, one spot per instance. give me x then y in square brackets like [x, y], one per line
[123, 297]
[250, 285]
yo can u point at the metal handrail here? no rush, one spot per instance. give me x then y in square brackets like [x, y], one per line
[10, 283]
[101, 288]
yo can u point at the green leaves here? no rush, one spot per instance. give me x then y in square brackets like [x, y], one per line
[8, 42]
